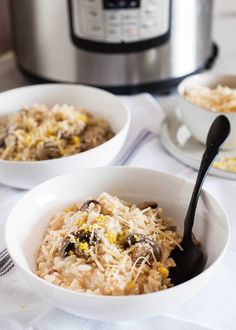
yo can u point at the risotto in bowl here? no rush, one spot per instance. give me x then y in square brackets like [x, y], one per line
[97, 243]
[202, 97]
[52, 129]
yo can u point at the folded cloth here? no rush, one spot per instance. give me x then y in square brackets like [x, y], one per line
[212, 308]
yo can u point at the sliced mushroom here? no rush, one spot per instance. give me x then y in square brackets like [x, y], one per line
[80, 236]
[131, 240]
[144, 247]
[67, 246]
[142, 250]
[85, 205]
[145, 205]
[50, 150]
[156, 248]
[86, 237]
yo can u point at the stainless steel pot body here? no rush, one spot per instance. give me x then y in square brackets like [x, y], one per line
[44, 46]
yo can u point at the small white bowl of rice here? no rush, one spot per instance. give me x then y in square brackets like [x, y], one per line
[202, 98]
[97, 243]
[51, 129]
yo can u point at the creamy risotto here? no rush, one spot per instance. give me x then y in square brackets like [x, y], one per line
[221, 98]
[42, 132]
[107, 246]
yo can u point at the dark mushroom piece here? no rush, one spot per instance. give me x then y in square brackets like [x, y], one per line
[156, 249]
[85, 237]
[81, 236]
[50, 150]
[144, 247]
[67, 246]
[131, 240]
[85, 205]
[146, 204]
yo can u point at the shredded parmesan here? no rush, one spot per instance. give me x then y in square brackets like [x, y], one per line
[140, 268]
[96, 260]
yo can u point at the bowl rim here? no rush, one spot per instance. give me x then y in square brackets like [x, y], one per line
[183, 85]
[86, 152]
[130, 297]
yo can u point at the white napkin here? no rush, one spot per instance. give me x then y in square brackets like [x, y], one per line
[212, 308]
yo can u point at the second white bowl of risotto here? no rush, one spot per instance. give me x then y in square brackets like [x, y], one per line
[47, 130]
[205, 96]
[97, 243]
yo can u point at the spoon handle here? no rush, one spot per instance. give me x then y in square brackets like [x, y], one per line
[217, 134]
[207, 158]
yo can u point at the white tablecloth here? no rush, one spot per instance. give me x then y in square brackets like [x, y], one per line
[213, 308]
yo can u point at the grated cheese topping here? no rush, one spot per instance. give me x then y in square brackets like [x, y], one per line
[125, 248]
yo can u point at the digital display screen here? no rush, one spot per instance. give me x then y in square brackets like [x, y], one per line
[121, 4]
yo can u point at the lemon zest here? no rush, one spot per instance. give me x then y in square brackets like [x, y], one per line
[111, 237]
[28, 140]
[101, 219]
[76, 140]
[82, 117]
[83, 246]
[79, 222]
[163, 271]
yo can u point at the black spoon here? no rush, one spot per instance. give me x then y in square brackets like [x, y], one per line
[191, 261]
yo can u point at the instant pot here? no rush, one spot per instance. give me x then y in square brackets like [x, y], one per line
[125, 46]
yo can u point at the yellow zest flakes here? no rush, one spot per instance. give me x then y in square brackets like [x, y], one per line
[79, 222]
[50, 132]
[82, 117]
[76, 140]
[130, 285]
[88, 229]
[28, 140]
[163, 271]
[111, 237]
[101, 219]
[68, 209]
[83, 246]
[136, 237]
[71, 253]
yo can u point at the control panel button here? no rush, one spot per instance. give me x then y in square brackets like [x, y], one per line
[112, 16]
[131, 33]
[114, 35]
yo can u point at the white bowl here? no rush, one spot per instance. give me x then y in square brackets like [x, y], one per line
[28, 220]
[198, 119]
[101, 103]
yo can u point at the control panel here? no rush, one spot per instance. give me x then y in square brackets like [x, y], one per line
[119, 21]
